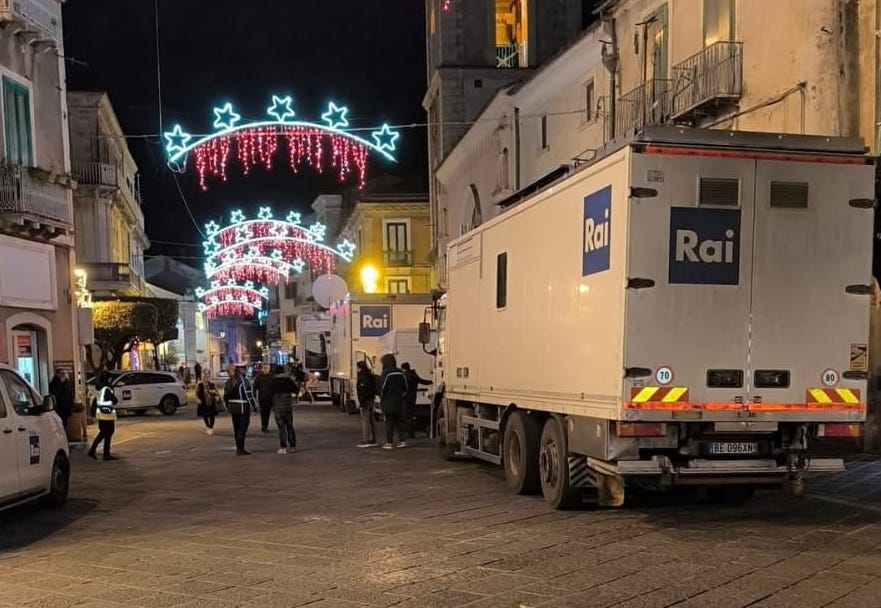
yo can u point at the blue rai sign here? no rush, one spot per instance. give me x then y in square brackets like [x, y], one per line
[704, 246]
[375, 321]
[597, 253]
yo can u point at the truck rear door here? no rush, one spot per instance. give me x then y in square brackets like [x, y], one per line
[813, 245]
[689, 282]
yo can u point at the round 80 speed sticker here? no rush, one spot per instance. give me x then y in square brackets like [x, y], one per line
[830, 378]
[664, 375]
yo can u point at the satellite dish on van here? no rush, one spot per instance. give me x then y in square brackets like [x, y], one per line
[329, 288]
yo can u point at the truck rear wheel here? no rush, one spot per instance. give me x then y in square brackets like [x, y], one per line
[554, 467]
[520, 449]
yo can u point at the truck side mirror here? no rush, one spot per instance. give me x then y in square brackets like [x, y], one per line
[424, 333]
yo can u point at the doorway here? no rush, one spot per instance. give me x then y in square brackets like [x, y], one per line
[30, 355]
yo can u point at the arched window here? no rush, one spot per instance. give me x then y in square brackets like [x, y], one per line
[476, 211]
[504, 168]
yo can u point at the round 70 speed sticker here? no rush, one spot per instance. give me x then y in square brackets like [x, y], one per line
[664, 375]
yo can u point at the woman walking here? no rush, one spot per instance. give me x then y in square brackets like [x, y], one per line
[206, 393]
[283, 390]
[392, 393]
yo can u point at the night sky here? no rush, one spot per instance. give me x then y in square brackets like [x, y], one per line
[369, 55]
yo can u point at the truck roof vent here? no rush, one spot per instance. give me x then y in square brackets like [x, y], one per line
[789, 195]
[719, 192]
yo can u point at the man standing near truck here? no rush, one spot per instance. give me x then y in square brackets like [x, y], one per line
[366, 388]
[413, 382]
[392, 392]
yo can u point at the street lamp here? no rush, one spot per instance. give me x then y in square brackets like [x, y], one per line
[259, 343]
[369, 278]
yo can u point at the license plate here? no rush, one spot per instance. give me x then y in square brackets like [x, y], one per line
[734, 448]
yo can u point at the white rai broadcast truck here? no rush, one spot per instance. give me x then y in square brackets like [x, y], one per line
[358, 325]
[691, 308]
[313, 350]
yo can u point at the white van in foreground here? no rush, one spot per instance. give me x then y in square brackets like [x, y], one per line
[34, 456]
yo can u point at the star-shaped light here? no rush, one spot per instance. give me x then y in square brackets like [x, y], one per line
[231, 283]
[229, 257]
[242, 234]
[244, 298]
[317, 230]
[230, 297]
[249, 284]
[202, 307]
[211, 247]
[347, 249]
[293, 218]
[225, 117]
[199, 292]
[215, 284]
[335, 117]
[385, 138]
[265, 213]
[212, 228]
[278, 229]
[264, 291]
[277, 254]
[253, 252]
[177, 140]
[215, 300]
[281, 108]
[298, 265]
[237, 217]
[210, 268]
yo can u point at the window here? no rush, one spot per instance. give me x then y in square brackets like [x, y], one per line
[17, 120]
[19, 393]
[544, 133]
[589, 101]
[658, 44]
[316, 351]
[290, 324]
[504, 170]
[397, 285]
[476, 210]
[397, 243]
[290, 290]
[502, 280]
[512, 33]
[718, 21]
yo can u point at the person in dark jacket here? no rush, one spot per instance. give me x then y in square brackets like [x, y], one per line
[61, 388]
[207, 395]
[284, 390]
[263, 388]
[237, 395]
[413, 382]
[198, 370]
[366, 388]
[392, 392]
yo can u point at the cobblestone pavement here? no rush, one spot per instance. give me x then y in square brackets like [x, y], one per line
[181, 521]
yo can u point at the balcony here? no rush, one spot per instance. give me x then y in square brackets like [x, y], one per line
[111, 178]
[508, 56]
[120, 279]
[648, 104]
[707, 82]
[33, 205]
[393, 259]
[39, 18]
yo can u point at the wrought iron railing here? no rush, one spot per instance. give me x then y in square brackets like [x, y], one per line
[715, 73]
[20, 192]
[507, 56]
[397, 258]
[110, 175]
[111, 272]
[647, 104]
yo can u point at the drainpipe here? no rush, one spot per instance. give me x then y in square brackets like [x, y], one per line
[516, 149]
[610, 61]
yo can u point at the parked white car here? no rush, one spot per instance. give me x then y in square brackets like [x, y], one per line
[140, 391]
[34, 456]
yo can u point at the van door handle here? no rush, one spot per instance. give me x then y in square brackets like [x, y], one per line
[7, 431]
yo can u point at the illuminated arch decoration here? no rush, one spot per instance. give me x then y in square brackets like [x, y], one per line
[231, 299]
[267, 250]
[255, 143]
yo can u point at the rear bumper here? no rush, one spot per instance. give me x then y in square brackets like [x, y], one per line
[702, 471]
[744, 415]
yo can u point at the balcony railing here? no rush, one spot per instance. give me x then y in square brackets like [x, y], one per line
[647, 104]
[41, 16]
[397, 258]
[111, 276]
[706, 80]
[508, 56]
[22, 194]
[110, 176]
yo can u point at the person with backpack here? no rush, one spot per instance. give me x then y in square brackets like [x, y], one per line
[237, 394]
[392, 392]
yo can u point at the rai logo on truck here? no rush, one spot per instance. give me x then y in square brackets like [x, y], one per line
[597, 232]
[375, 321]
[704, 246]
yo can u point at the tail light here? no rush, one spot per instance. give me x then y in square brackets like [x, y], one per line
[840, 430]
[641, 429]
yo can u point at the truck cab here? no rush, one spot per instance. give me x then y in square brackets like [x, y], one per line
[34, 456]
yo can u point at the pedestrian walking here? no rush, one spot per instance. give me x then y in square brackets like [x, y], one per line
[181, 369]
[365, 386]
[198, 370]
[392, 392]
[62, 389]
[104, 411]
[413, 382]
[263, 390]
[284, 390]
[207, 394]
[237, 394]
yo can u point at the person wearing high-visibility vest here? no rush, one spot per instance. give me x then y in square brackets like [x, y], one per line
[104, 408]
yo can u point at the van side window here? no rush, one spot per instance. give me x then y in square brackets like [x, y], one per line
[502, 280]
[18, 392]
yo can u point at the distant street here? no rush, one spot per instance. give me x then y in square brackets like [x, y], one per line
[181, 521]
